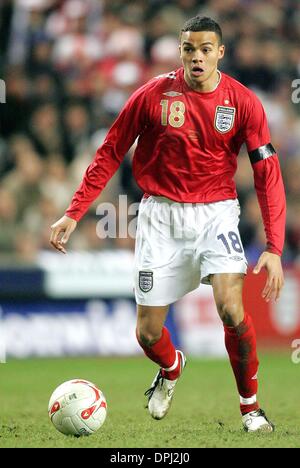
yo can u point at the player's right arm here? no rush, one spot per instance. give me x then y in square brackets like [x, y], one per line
[126, 128]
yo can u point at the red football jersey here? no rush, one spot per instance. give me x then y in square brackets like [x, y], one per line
[188, 143]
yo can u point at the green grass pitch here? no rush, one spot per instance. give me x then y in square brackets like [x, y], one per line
[204, 413]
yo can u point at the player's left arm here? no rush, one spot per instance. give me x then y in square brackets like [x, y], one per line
[271, 196]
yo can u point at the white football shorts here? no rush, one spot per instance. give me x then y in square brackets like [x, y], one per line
[179, 245]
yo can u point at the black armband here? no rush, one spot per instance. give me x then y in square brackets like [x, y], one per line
[263, 152]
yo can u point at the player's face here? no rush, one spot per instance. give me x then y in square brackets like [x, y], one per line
[200, 52]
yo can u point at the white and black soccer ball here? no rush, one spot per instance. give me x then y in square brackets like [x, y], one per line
[77, 407]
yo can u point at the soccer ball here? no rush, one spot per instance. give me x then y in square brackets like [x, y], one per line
[77, 407]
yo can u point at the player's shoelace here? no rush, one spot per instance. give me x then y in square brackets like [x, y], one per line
[260, 412]
[158, 380]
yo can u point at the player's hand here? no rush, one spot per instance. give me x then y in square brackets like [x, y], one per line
[275, 280]
[61, 231]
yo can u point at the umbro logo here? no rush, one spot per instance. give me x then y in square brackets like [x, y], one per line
[236, 258]
[172, 93]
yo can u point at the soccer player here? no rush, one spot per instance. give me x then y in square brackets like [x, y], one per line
[190, 125]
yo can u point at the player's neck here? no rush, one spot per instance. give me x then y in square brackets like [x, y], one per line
[208, 85]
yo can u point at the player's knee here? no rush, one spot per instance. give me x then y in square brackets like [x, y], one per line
[231, 312]
[147, 337]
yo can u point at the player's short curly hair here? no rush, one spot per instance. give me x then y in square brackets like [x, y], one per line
[202, 23]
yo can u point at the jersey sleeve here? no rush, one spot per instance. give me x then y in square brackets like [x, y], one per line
[126, 128]
[255, 128]
[267, 175]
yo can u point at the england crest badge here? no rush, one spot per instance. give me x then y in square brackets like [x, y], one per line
[224, 118]
[145, 280]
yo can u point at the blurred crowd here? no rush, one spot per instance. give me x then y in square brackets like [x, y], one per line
[70, 65]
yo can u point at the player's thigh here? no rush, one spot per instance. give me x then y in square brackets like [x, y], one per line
[222, 250]
[227, 290]
[150, 322]
[164, 266]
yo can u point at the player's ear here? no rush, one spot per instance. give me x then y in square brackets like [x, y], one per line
[221, 51]
[179, 48]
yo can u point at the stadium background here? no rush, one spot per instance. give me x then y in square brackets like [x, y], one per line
[69, 66]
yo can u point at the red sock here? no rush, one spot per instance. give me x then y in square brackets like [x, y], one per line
[164, 354]
[240, 343]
